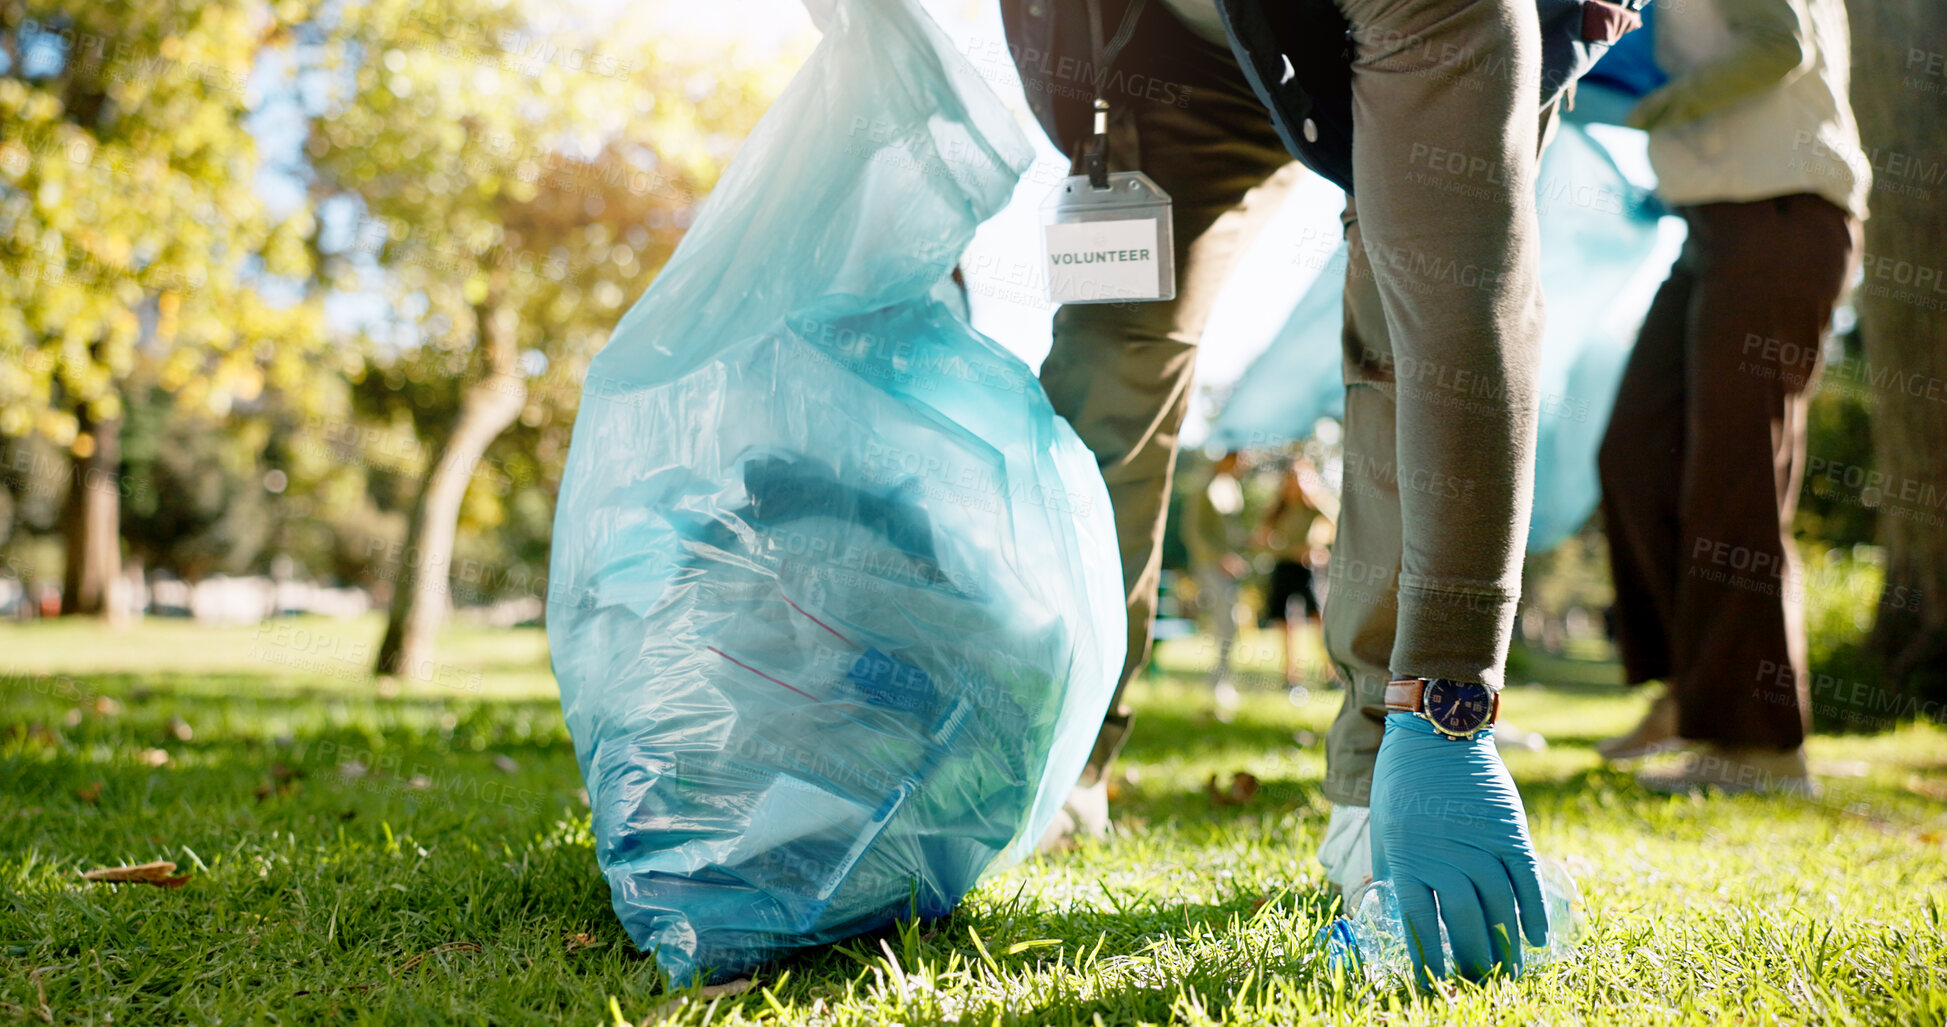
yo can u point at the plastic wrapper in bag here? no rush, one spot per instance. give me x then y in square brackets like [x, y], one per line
[836, 607]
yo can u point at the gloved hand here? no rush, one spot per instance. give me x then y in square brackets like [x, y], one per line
[1768, 47]
[1447, 823]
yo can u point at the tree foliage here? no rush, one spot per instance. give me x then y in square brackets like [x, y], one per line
[508, 191]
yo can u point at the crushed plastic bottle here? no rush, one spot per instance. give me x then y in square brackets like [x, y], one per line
[1372, 941]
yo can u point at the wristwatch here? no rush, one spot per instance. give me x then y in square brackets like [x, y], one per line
[1457, 709]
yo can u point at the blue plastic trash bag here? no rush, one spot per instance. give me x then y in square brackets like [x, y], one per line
[836, 605]
[1598, 241]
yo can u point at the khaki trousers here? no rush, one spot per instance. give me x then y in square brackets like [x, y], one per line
[1702, 461]
[1121, 372]
[1442, 336]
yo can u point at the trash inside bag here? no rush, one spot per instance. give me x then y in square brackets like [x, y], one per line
[836, 605]
[1371, 940]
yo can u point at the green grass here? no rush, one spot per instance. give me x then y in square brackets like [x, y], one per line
[376, 860]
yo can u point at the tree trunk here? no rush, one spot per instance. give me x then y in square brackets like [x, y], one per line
[1899, 94]
[91, 522]
[420, 595]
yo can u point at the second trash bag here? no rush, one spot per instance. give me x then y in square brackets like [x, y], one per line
[836, 607]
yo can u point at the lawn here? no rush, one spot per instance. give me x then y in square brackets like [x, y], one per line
[425, 857]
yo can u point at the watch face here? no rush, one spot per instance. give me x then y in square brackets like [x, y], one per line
[1458, 707]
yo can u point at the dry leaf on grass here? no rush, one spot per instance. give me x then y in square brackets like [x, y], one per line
[1242, 787]
[89, 793]
[665, 1008]
[161, 873]
[579, 940]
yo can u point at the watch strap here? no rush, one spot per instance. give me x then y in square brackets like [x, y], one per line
[1404, 695]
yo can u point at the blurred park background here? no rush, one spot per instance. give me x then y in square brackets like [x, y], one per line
[295, 300]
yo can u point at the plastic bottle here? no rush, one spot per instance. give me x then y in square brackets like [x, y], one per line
[1371, 939]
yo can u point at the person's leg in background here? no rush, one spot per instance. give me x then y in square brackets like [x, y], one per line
[1291, 587]
[1218, 592]
[1768, 276]
[1641, 468]
[1121, 372]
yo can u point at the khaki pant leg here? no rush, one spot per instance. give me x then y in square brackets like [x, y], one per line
[1121, 372]
[1360, 605]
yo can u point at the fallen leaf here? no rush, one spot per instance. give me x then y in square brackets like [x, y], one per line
[89, 793]
[154, 757]
[180, 730]
[161, 873]
[582, 940]
[1242, 787]
[106, 707]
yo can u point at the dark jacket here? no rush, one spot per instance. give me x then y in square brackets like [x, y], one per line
[1311, 108]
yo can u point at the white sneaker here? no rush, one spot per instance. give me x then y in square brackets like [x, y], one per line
[1346, 853]
[1656, 732]
[1085, 814]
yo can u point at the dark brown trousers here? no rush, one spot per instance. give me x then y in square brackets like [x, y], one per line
[1702, 462]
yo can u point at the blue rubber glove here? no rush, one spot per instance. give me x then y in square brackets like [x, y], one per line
[1447, 824]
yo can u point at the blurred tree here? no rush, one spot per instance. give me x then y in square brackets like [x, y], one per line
[193, 486]
[515, 188]
[1840, 434]
[1899, 93]
[131, 231]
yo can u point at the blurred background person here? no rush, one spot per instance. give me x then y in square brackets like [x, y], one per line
[1753, 142]
[1295, 531]
[1212, 522]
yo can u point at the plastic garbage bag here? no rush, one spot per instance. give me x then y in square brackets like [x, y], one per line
[1598, 241]
[836, 605]
[1371, 940]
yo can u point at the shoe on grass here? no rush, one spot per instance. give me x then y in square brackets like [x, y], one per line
[1736, 770]
[1656, 732]
[1346, 854]
[1085, 814]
